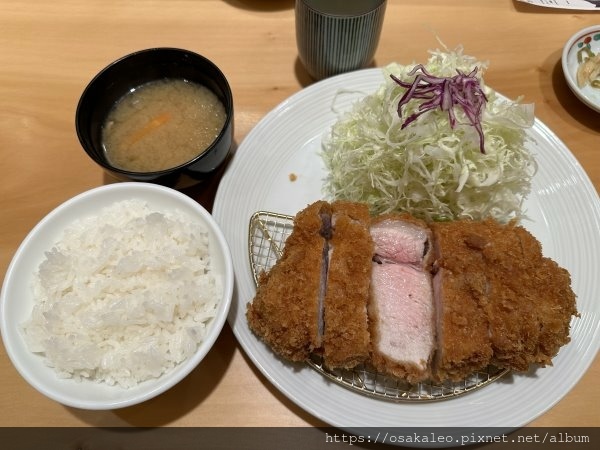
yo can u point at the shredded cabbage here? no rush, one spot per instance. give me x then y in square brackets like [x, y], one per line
[429, 168]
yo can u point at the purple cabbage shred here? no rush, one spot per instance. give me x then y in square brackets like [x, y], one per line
[445, 93]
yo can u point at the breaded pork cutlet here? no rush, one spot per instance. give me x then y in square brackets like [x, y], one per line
[559, 305]
[524, 302]
[401, 312]
[530, 300]
[346, 337]
[461, 293]
[357, 289]
[285, 311]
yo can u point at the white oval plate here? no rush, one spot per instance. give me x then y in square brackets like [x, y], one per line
[565, 212]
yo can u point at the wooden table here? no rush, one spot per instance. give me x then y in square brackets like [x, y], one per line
[50, 50]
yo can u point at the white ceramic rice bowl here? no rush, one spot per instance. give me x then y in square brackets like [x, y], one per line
[16, 299]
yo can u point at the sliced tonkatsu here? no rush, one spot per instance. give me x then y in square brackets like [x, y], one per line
[415, 300]
[286, 311]
[346, 338]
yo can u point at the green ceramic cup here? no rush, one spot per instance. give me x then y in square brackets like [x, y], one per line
[336, 36]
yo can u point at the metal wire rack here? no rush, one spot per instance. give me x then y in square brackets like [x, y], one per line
[267, 234]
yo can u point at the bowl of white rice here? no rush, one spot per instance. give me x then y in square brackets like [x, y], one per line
[116, 295]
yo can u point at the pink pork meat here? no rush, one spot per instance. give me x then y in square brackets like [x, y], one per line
[401, 308]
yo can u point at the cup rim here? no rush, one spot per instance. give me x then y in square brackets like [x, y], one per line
[342, 16]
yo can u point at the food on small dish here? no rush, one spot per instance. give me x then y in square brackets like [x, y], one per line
[162, 124]
[580, 64]
[434, 141]
[588, 71]
[445, 299]
[124, 296]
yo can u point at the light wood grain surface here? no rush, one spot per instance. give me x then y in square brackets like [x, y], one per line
[50, 50]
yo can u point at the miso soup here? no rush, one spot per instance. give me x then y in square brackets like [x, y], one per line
[161, 125]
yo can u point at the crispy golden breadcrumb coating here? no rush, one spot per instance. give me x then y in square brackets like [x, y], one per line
[346, 338]
[499, 300]
[463, 343]
[285, 310]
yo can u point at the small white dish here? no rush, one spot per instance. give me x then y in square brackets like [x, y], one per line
[584, 43]
[16, 299]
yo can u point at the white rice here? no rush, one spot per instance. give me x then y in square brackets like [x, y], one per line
[124, 296]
